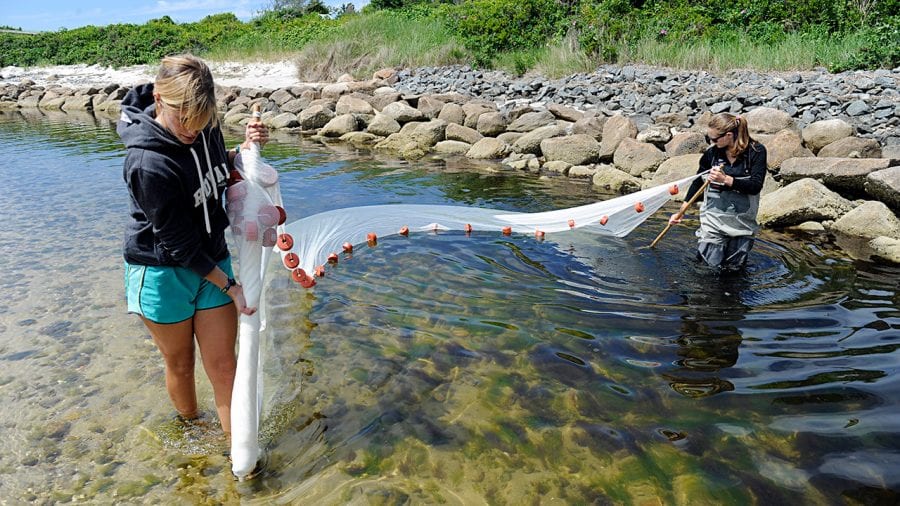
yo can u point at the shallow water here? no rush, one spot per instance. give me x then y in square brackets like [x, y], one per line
[445, 368]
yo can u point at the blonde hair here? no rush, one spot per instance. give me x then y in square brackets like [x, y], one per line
[185, 84]
[724, 123]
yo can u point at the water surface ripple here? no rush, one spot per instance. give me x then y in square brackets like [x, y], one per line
[446, 367]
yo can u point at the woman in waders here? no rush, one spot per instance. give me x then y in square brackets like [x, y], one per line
[737, 169]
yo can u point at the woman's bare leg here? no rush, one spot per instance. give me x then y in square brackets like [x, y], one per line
[176, 343]
[216, 331]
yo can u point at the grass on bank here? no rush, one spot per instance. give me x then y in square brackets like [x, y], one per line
[366, 43]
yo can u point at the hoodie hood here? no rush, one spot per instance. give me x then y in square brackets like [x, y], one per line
[138, 127]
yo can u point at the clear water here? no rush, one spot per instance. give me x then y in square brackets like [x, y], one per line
[445, 368]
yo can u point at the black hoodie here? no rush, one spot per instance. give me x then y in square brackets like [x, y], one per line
[175, 221]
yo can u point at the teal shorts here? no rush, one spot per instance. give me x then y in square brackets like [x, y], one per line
[164, 294]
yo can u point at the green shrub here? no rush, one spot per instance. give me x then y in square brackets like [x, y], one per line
[488, 27]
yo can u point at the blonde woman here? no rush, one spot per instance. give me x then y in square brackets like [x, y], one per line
[178, 274]
[737, 170]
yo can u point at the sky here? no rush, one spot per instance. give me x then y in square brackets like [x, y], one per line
[52, 15]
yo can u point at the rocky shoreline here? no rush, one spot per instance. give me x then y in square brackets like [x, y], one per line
[833, 140]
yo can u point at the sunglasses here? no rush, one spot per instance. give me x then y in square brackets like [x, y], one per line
[711, 140]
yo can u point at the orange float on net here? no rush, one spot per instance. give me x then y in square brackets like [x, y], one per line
[539, 234]
[233, 177]
[673, 190]
[285, 242]
[372, 238]
[348, 248]
[404, 230]
[639, 207]
[604, 219]
[300, 276]
[282, 215]
[320, 271]
[291, 260]
[507, 230]
[468, 228]
[571, 223]
[333, 258]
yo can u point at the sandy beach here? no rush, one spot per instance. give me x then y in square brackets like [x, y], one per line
[246, 75]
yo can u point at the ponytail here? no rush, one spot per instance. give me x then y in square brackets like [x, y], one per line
[724, 122]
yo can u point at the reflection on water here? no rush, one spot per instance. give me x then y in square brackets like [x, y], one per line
[445, 367]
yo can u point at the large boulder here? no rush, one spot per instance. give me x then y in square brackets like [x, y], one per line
[491, 124]
[615, 129]
[360, 139]
[452, 113]
[782, 146]
[578, 149]
[315, 116]
[685, 143]
[869, 220]
[295, 106]
[383, 125]
[884, 185]
[841, 174]
[488, 148]
[455, 132]
[658, 135]
[531, 121]
[401, 112]
[590, 125]
[340, 125]
[531, 141]
[402, 144]
[473, 110]
[283, 120]
[765, 120]
[430, 132]
[852, 147]
[636, 157]
[886, 248]
[349, 104]
[611, 178]
[801, 201]
[452, 148]
[819, 134]
[673, 169]
[430, 106]
[565, 113]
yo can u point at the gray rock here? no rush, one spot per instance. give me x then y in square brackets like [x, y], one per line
[315, 116]
[349, 104]
[636, 157]
[578, 149]
[455, 132]
[822, 133]
[565, 113]
[383, 125]
[766, 120]
[841, 174]
[401, 112]
[684, 143]
[430, 133]
[869, 220]
[884, 185]
[800, 201]
[613, 179]
[340, 125]
[361, 139]
[296, 105]
[673, 169]
[283, 120]
[582, 171]
[510, 137]
[489, 148]
[615, 129]
[430, 106]
[402, 144]
[852, 147]
[886, 248]
[782, 146]
[531, 121]
[473, 110]
[557, 167]
[531, 141]
[452, 113]
[857, 108]
[452, 147]
[491, 124]
[592, 126]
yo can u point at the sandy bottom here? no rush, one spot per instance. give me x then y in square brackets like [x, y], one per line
[247, 75]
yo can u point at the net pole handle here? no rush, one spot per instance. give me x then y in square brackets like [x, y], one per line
[256, 117]
[680, 214]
